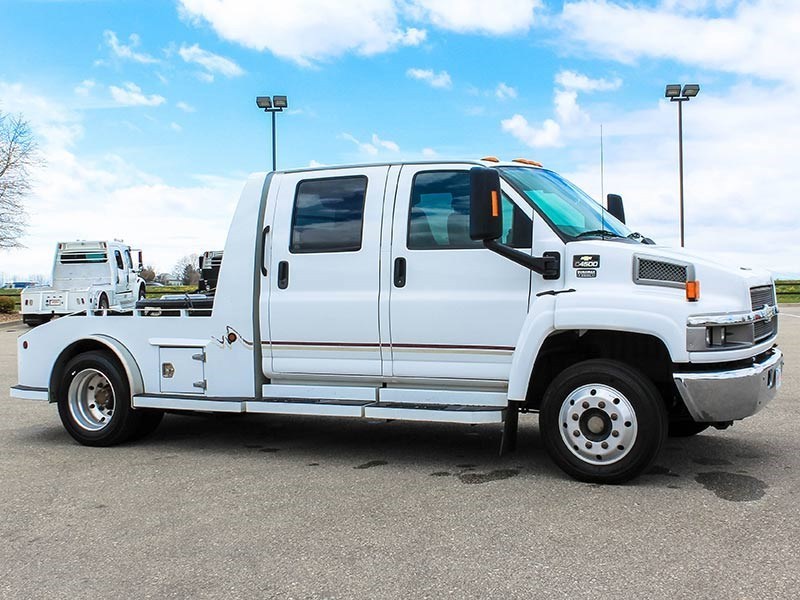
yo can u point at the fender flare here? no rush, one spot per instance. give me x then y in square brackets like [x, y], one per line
[538, 325]
[117, 348]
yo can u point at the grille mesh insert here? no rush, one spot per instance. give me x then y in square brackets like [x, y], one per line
[761, 296]
[655, 270]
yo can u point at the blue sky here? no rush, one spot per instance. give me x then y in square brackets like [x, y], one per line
[146, 117]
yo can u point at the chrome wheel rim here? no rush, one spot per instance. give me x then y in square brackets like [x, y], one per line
[91, 400]
[598, 424]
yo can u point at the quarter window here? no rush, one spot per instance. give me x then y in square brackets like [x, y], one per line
[328, 215]
[439, 214]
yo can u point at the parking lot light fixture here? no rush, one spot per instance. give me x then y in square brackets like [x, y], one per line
[675, 94]
[273, 105]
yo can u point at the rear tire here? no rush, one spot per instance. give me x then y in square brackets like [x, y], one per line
[602, 421]
[102, 304]
[94, 401]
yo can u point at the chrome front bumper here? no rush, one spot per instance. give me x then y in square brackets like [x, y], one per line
[718, 396]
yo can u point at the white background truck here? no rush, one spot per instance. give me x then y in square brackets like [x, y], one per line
[462, 292]
[87, 275]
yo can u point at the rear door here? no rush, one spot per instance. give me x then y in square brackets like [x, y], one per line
[456, 308]
[323, 274]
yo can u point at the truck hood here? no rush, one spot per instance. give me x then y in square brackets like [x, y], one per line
[723, 287]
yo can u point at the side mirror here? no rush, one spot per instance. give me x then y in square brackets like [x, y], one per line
[141, 262]
[485, 213]
[615, 206]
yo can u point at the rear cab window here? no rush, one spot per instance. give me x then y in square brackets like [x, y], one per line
[328, 215]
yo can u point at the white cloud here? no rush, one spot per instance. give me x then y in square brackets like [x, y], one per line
[364, 147]
[175, 127]
[188, 108]
[85, 88]
[566, 107]
[758, 38]
[315, 164]
[500, 17]
[212, 63]
[387, 144]
[131, 95]
[548, 135]
[307, 31]
[78, 196]
[571, 80]
[505, 92]
[438, 80]
[127, 52]
[429, 152]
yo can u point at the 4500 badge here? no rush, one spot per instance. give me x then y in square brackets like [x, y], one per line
[586, 265]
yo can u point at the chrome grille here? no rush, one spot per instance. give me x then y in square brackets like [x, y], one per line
[765, 329]
[655, 270]
[762, 296]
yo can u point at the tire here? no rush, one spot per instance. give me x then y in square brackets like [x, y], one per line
[102, 304]
[142, 292]
[617, 413]
[685, 428]
[94, 401]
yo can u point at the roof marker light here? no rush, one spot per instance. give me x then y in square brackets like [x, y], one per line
[527, 161]
[491, 159]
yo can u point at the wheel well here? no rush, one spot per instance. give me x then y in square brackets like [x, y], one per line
[563, 349]
[71, 352]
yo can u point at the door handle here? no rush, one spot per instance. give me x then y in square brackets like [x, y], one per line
[283, 274]
[399, 272]
[264, 250]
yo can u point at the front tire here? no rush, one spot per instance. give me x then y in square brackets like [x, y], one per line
[602, 421]
[94, 401]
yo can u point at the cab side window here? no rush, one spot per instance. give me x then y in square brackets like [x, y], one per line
[128, 259]
[439, 214]
[118, 256]
[328, 215]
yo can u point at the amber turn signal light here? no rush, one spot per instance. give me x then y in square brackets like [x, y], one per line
[692, 291]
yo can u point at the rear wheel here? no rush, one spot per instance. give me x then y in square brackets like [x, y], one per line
[94, 401]
[602, 421]
[102, 304]
[142, 292]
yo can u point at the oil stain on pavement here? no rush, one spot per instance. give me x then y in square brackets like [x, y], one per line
[472, 478]
[732, 486]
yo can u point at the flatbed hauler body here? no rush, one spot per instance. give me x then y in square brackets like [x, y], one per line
[458, 292]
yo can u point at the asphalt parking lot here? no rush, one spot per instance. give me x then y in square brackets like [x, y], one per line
[291, 507]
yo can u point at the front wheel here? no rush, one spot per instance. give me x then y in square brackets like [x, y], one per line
[602, 421]
[94, 401]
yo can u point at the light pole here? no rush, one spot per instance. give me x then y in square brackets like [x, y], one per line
[675, 94]
[274, 105]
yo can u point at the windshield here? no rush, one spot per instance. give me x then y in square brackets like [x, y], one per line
[570, 210]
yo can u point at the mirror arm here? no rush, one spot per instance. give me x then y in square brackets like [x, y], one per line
[548, 266]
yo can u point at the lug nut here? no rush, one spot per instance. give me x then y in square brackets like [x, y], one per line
[576, 433]
[588, 445]
[585, 404]
[615, 433]
[614, 416]
[604, 445]
[575, 417]
[601, 404]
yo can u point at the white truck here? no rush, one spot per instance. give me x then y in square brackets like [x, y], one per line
[461, 292]
[87, 275]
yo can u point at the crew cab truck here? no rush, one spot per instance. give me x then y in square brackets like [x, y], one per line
[87, 275]
[460, 292]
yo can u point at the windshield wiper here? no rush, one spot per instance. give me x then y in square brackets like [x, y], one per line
[601, 232]
[640, 238]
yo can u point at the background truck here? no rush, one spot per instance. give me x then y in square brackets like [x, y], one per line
[87, 275]
[209, 264]
[460, 292]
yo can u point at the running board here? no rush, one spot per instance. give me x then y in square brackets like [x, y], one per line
[436, 413]
[453, 413]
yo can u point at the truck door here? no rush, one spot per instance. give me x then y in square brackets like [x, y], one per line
[323, 273]
[456, 308]
[122, 286]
